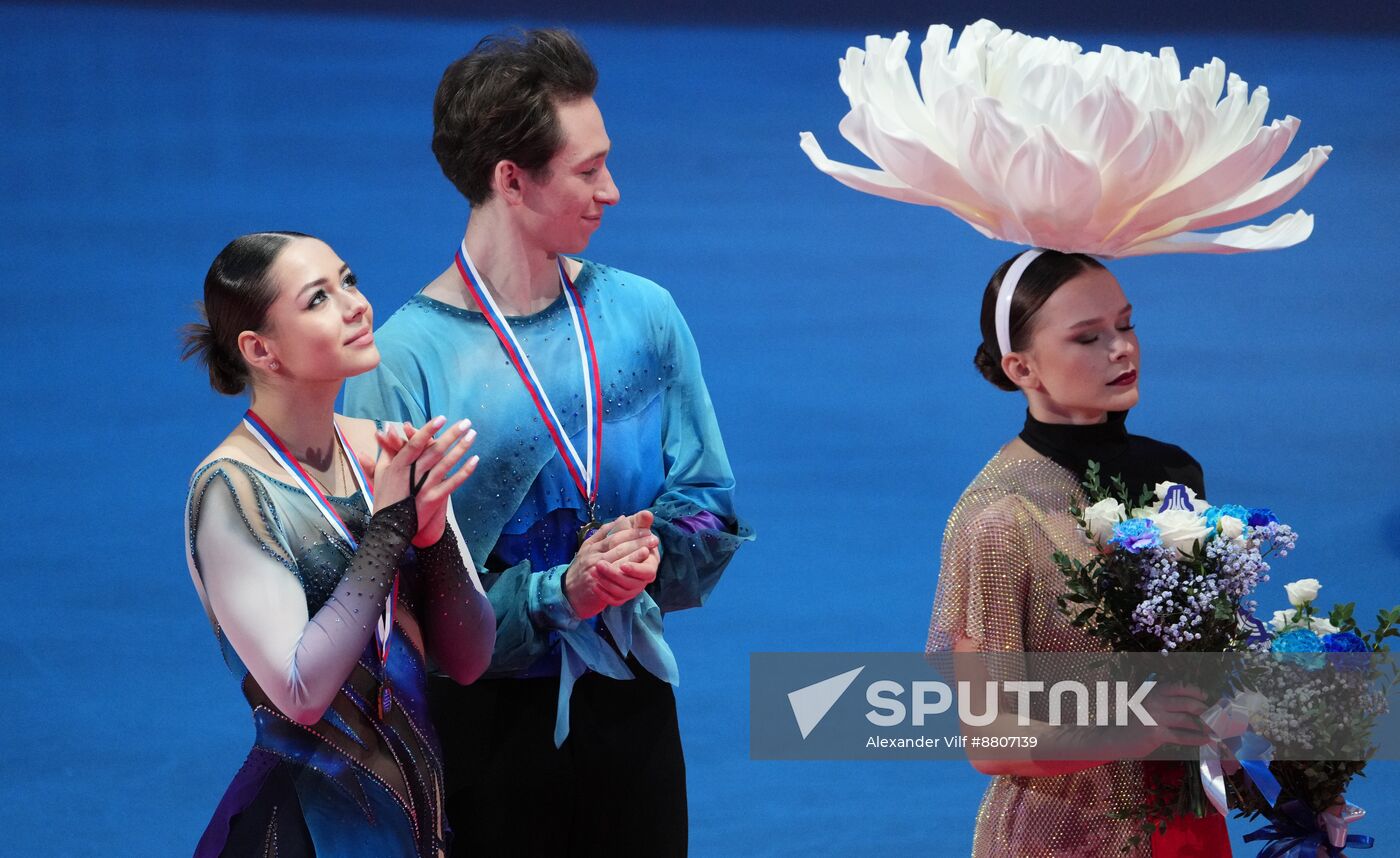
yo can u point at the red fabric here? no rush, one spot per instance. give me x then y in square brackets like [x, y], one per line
[1187, 836]
[1192, 837]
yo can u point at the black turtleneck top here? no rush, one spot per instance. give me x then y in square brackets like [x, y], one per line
[1140, 461]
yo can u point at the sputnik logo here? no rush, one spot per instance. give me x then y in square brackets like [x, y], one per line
[811, 703]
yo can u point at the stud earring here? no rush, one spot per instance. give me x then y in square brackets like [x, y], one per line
[275, 366]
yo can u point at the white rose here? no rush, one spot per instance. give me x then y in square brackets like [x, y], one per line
[1303, 591]
[1323, 626]
[1282, 619]
[1197, 503]
[1181, 529]
[1231, 528]
[1101, 518]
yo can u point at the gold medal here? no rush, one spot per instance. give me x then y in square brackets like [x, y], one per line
[588, 530]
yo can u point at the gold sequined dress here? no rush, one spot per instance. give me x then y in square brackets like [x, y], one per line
[997, 585]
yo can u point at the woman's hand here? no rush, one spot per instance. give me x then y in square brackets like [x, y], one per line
[1177, 709]
[431, 461]
[613, 565]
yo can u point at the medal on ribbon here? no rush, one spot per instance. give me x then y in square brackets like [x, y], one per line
[382, 630]
[283, 456]
[583, 469]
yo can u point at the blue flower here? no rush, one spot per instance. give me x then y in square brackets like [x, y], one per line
[1344, 642]
[1298, 640]
[1213, 514]
[1136, 535]
[1301, 647]
[1260, 516]
[1348, 650]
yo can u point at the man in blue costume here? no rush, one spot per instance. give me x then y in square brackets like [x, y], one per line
[603, 498]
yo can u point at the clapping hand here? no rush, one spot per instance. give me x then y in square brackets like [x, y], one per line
[429, 461]
[613, 565]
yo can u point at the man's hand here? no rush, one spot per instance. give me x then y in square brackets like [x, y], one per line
[613, 565]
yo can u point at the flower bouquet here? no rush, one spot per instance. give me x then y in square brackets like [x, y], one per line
[1170, 574]
[1326, 692]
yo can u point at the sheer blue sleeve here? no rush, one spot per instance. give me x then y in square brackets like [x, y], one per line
[695, 522]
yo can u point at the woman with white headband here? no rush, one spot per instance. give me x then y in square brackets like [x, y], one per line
[1062, 334]
[1079, 156]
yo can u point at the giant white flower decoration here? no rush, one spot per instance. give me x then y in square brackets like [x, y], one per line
[1030, 140]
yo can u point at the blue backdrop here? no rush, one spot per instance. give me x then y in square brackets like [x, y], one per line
[837, 332]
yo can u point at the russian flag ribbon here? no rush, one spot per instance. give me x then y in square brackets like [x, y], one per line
[583, 469]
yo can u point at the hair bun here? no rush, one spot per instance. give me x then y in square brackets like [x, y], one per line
[990, 367]
[238, 290]
[226, 375]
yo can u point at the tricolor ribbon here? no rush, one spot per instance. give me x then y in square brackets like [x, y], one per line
[283, 456]
[382, 630]
[278, 450]
[583, 471]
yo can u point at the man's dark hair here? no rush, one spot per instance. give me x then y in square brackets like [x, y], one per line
[498, 104]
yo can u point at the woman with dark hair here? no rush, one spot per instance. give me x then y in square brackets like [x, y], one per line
[327, 592]
[1077, 155]
[1061, 333]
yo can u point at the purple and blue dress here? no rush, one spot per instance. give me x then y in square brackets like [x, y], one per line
[294, 609]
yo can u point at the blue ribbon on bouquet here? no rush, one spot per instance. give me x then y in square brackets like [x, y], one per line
[1253, 752]
[1297, 832]
[1228, 722]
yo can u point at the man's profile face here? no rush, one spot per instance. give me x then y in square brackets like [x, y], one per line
[567, 205]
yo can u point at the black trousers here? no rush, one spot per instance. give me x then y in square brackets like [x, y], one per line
[616, 786]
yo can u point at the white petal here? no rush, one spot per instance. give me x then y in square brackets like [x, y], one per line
[874, 182]
[1197, 122]
[1224, 181]
[1033, 140]
[861, 178]
[889, 85]
[1060, 191]
[984, 156]
[1166, 77]
[1287, 231]
[1260, 199]
[935, 72]
[949, 114]
[906, 158]
[1154, 154]
[969, 55]
[1106, 120]
[1234, 122]
[1049, 93]
[1209, 79]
